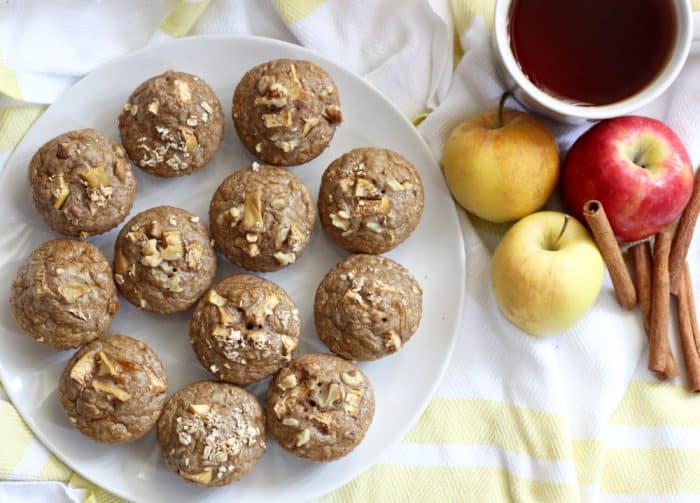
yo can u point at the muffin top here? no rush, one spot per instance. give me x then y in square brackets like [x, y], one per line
[64, 295]
[319, 407]
[81, 183]
[212, 433]
[371, 200]
[286, 111]
[113, 389]
[244, 329]
[367, 307]
[262, 217]
[164, 260]
[172, 124]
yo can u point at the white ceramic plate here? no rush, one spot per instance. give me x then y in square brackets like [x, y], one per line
[403, 383]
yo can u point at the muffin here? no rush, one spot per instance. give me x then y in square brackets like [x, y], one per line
[212, 433]
[244, 329]
[113, 389]
[371, 200]
[367, 307]
[286, 111]
[262, 217]
[64, 296]
[319, 407]
[81, 183]
[164, 260]
[172, 124]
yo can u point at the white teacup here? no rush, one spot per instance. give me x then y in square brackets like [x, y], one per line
[539, 101]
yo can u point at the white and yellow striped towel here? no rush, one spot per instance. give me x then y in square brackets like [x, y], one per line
[571, 418]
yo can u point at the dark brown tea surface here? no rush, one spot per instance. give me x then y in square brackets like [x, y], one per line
[592, 52]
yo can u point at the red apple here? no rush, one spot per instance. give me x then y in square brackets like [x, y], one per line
[637, 167]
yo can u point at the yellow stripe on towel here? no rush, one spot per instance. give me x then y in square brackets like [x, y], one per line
[292, 11]
[388, 484]
[653, 403]
[588, 457]
[464, 11]
[180, 20]
[95, 494]
[487, 422]
[651, 471]
[8, 81]
[15, 122]
[54, 469]
[15, 439]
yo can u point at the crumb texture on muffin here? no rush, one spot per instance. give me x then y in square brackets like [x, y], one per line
[371, 200]
[319, 407]
[244, 329]
[212, 433]
[262, 218]
[81, 183]
[113, 389]
[367, 307]
[64, 295]
[164, 260]
[172, 124]
[286, 111]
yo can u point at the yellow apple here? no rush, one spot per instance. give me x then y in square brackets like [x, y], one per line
[545, 273]
[501, 169]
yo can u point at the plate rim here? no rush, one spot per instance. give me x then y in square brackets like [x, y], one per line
[349, 475]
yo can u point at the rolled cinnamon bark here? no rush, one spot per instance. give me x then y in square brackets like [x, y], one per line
[597, 220]
[659, 346]
[671, 370]
[684, 234]
[688, 328]
[641, 264]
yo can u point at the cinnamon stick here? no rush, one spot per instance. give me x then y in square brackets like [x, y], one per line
[594, 213]
[688, 328]
[684, 233]
[659, 346]
[641, 264]
[671, 371]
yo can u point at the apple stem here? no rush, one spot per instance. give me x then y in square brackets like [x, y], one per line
[561, 232]
[501, 105]
[640, 156]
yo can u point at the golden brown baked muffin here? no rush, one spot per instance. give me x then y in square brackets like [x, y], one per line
[113, 389]
[244, 329]
[212, 433]
[367, 307]
[81, 183]
[286, 111]
[64, 295]
[172, 124]
[164, 260]
[262, 217]
[319, 407]
[371, 200]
